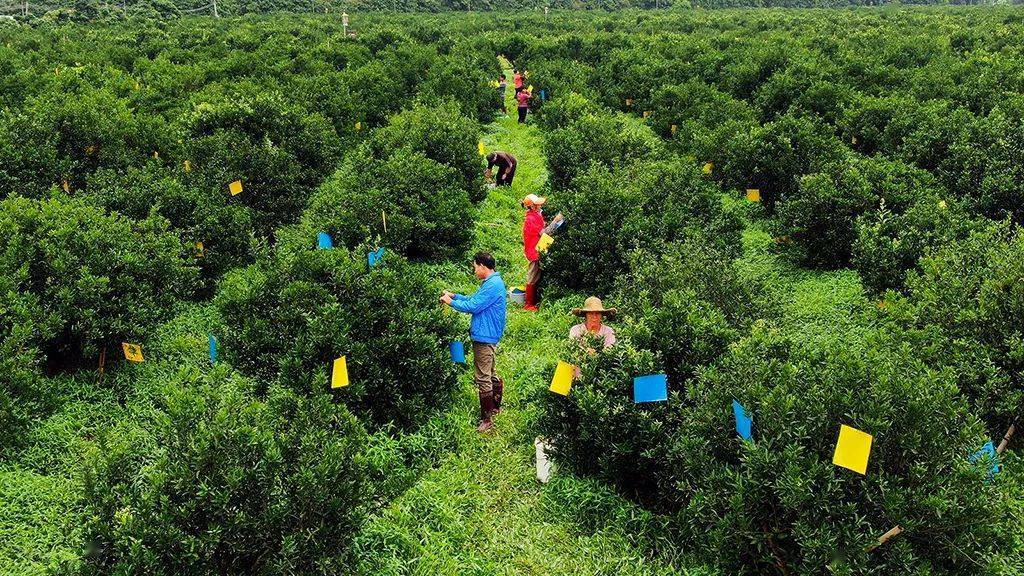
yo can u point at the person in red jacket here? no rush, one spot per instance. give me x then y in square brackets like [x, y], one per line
[533, 227]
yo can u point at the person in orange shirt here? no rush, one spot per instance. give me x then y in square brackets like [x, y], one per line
[517, 81]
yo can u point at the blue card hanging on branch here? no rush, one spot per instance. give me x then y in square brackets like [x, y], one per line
[323, 241]
[650, 388]
[372, 258]
[744, 423]
[212, 342]
[458, 352]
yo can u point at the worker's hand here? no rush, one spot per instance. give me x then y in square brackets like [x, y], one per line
[446, 299]
[448, 294]
[558, 218]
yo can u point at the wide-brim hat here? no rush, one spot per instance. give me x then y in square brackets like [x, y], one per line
[593, 304]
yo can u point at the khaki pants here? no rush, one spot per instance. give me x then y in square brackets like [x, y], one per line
[484, 373]
[533, 272]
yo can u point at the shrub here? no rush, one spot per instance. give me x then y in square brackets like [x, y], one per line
[212, 482]
[819, 216]
[441, 133]
[960, 311]
[646, 206]
[288, 318]
[687, 306]
[85, 279]
[778, 499]
[609, 140]
[198, 214]
[429, 216]
[889, 244]
[276, 148]
[773, 157]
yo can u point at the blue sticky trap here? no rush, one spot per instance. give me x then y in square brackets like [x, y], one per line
[372, 258]
[323, 241]
[458, 352]
[542, 94]
[743, 422]
[650, 388]
[213, 348]
[988, 451]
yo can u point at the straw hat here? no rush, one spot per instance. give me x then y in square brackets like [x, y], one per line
[593, 304]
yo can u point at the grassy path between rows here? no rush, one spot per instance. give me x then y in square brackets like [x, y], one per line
[482, 510]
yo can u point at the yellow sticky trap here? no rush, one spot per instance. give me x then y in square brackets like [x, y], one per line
[852, 449]
[339, 373]
[942, 204]
[156, 154]
[90, 149]
[562, 381]
[359, 126]
[65, 185]
[629, 101]
[529, 88]
[709, 166]
[647, 114]
[480, 148]
[188, 166]
[853, 139]
[753, 195]
[544, 243]
[136, 85]
[132, 352]
[674, 129]
[200, 250]
[235, 187]
[384, 219]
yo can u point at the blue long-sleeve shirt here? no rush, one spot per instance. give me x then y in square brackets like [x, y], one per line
[487, 305]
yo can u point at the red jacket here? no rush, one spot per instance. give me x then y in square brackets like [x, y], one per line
[532, 227]
[524, 99]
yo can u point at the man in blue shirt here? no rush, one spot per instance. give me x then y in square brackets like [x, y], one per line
[486, 327]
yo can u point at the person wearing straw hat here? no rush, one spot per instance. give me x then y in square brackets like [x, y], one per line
[593, 311]
[533, 227]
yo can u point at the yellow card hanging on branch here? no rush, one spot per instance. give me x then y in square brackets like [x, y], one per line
[675, 129]
[132, 352]
[753, 195]
[359, 126]
[480, 148]
[647, 114]
[235, 187]
[709, 166]
[562, 380]
[339, 373]
[200, 251]
[188, 166]
[852, 449]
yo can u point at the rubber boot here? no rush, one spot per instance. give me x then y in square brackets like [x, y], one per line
[531, 298]
[496, 392]
[486, 408]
